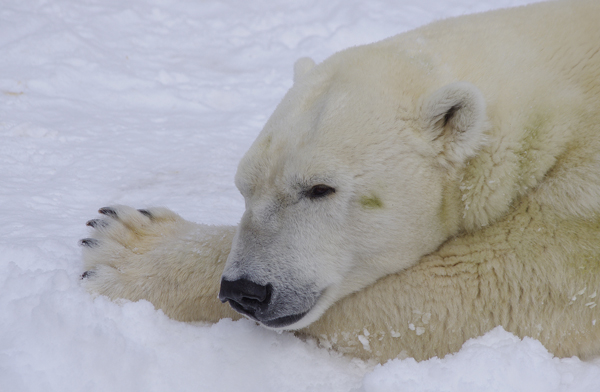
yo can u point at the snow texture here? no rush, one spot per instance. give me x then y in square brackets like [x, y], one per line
[152, 103]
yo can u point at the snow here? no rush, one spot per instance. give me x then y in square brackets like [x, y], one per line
[153, 103]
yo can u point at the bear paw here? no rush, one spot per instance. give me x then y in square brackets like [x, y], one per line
[123, 253]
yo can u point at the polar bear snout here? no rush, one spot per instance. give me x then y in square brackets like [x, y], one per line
[257, 302]
[245, 296]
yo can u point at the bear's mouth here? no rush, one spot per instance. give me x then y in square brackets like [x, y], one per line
[278, 322]
[284, 321]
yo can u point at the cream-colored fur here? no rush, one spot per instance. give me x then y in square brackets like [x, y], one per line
[465, 157]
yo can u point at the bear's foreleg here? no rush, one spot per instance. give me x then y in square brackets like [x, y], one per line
[156, 255]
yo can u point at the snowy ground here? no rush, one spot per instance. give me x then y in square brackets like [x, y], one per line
[153, 103]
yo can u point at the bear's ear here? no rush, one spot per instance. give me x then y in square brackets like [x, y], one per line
[454, 121]
[302, 66]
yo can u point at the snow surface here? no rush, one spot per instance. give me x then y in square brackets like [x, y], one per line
[153, 103]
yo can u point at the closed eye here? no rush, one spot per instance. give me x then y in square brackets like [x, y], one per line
[319, 191]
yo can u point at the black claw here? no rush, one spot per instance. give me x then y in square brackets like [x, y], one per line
[96, 223]
[108, 211]
[146, 212]
[89, 242]
[88, 274]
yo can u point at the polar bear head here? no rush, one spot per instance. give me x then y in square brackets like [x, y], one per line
[345, 184]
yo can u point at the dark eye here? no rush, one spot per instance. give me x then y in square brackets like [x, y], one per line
[319, 191]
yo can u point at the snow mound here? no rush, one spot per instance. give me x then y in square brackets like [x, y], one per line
[495, 362]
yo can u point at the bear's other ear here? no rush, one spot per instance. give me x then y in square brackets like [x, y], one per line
[454, 121]
[302, 66]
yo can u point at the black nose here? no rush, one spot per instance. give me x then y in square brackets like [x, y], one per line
[245, 296]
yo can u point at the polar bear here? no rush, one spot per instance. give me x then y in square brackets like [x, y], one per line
[404, 197]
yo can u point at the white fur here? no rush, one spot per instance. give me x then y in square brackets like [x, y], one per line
[302, 66]
[465, 161]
